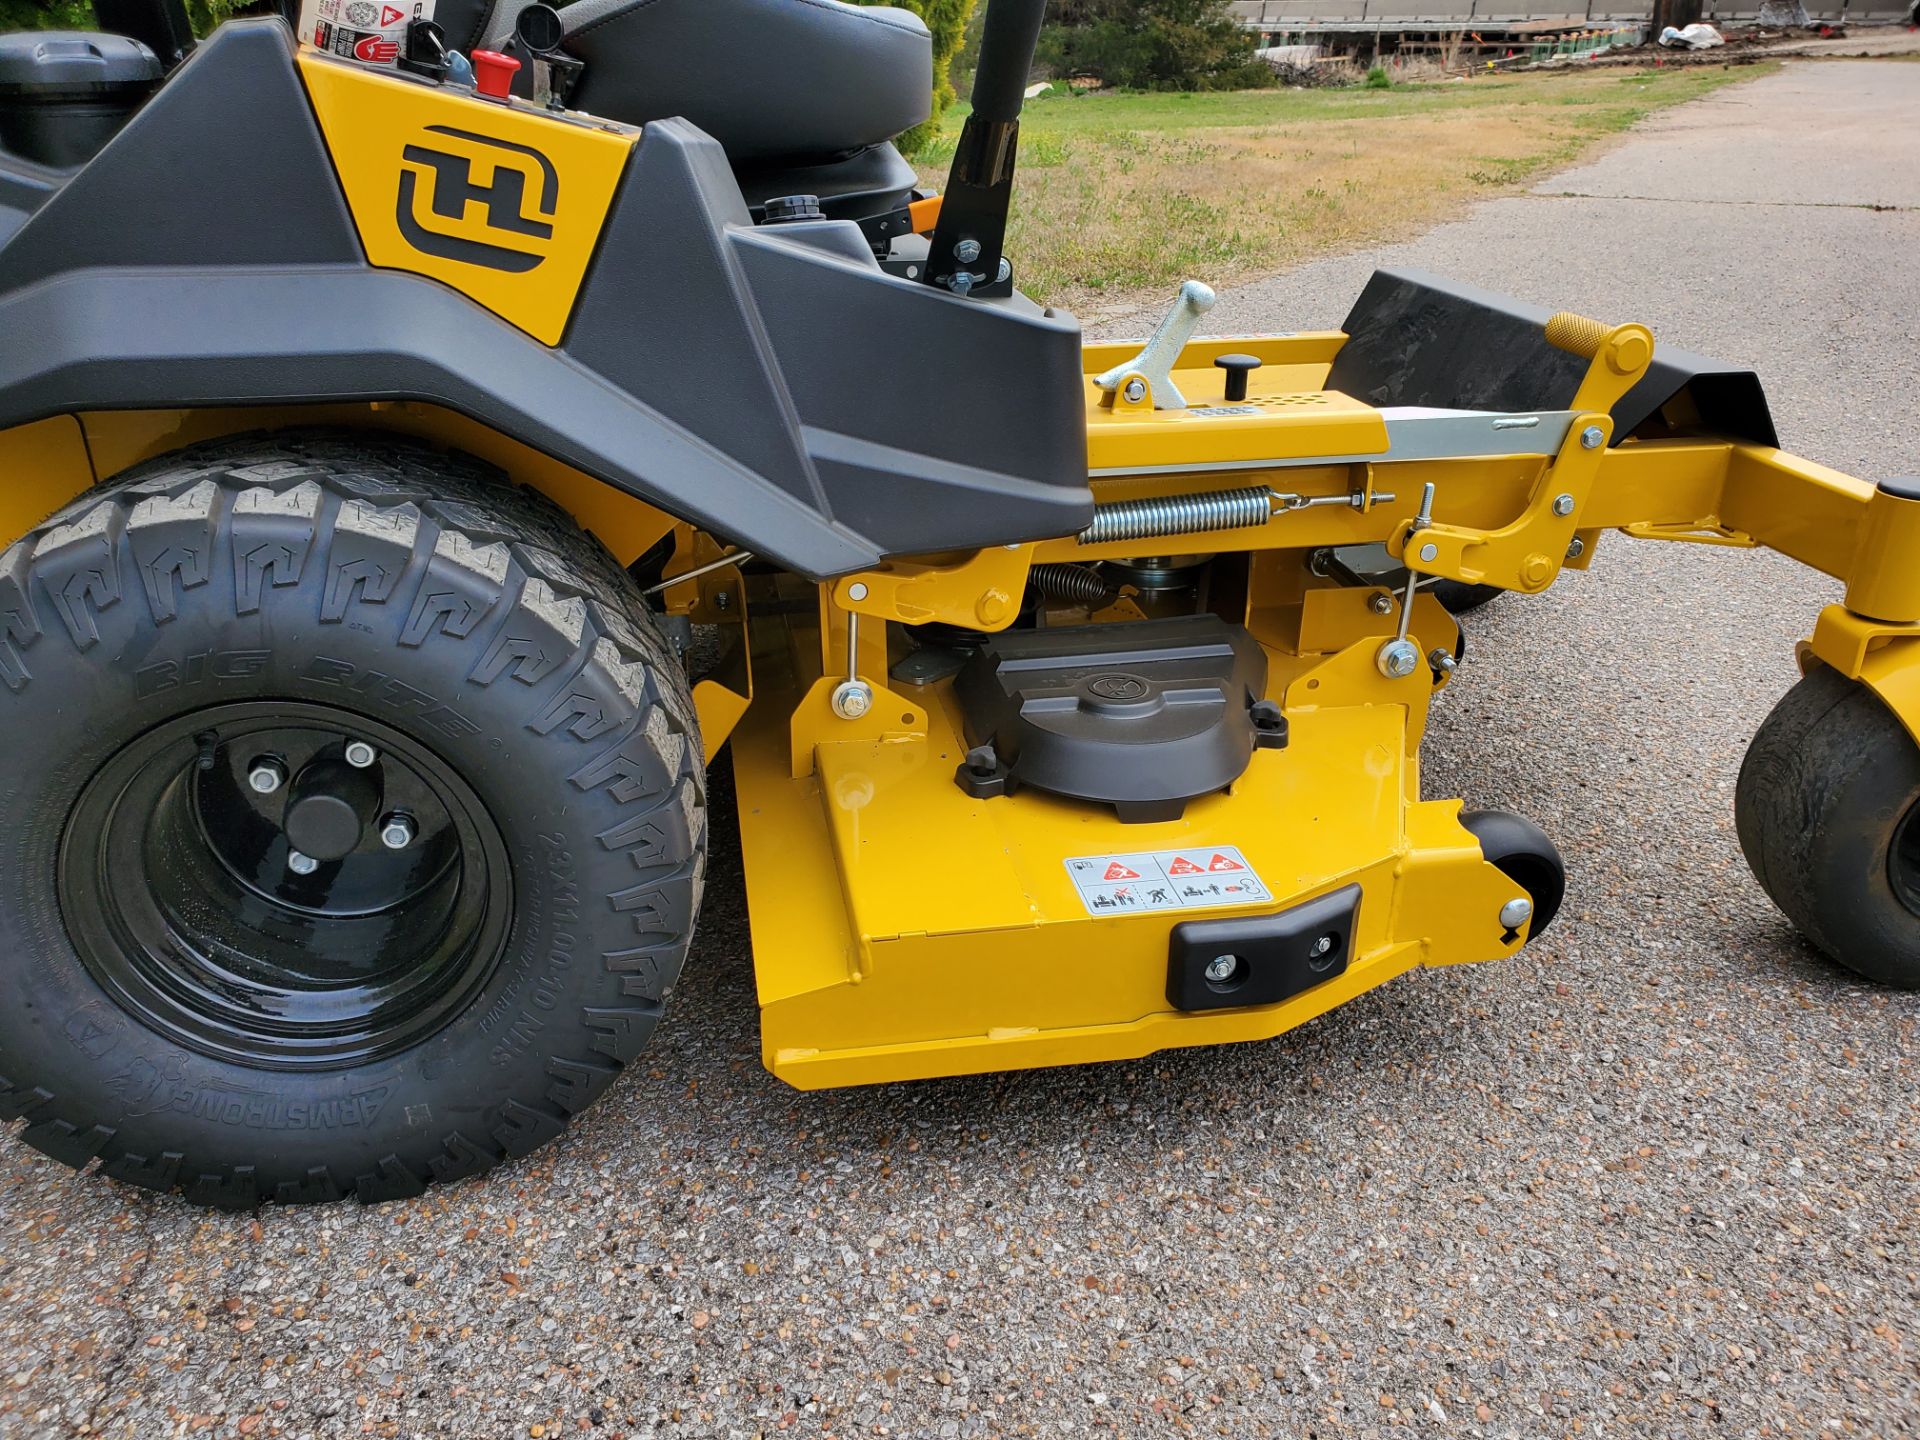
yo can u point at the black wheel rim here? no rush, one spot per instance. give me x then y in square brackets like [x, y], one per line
[190, 904]
[1903, 860]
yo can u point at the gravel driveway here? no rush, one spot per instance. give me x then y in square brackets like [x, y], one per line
[1660, 1176]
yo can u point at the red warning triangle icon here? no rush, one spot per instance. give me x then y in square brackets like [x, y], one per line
[1117, 871]
[1222, 862]
[1183, 866]
[391, 16]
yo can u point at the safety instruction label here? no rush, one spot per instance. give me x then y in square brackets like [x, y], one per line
[1202, 877]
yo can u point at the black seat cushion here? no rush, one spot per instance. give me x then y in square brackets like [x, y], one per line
[786, 79]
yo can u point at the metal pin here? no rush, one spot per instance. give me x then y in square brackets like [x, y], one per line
[732, 557]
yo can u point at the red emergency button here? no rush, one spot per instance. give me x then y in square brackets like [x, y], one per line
[493, 73]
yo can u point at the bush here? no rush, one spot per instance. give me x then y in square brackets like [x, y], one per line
[1153, 45]
[947, 19]
[1378, 79]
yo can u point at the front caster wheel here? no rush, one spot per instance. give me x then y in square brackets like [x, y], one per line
[355, 821]
[1828, 812]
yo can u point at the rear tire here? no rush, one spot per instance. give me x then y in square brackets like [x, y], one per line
[202, 1010]
[1828, 812]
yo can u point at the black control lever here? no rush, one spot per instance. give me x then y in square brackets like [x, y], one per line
[972, 230]
[539, 31]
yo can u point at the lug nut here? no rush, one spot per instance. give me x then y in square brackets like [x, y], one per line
[360, 754]
[1516, 912]
[266, 775]
[301, 864]
[396, 831]
[1222, 968]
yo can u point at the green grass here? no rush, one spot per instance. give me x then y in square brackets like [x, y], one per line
[1121, 196]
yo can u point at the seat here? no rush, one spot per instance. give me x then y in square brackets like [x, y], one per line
[793, 81]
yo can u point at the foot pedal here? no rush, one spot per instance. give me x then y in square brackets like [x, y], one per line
[1143, 716]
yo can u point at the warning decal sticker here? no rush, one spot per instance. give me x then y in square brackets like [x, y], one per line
[1205, 877]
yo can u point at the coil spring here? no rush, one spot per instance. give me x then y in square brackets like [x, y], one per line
[1069, 584]
[1179, 515]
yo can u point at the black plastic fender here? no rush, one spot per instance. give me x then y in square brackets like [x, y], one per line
[776, 389]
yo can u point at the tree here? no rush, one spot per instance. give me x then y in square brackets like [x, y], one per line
[1153, 45]
[78, 14]
[947, 19]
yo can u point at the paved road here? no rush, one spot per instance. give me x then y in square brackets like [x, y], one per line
[1655, 1178]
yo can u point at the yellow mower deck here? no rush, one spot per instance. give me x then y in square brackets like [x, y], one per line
[903, 929]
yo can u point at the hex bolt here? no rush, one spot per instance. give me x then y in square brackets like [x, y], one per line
[967, 251]
[852, 699]
[1381, 604]
[1591, 437]
[266, 775]
[396, 831]
[1321, 946]
[1563, 504]
[1398, 659]
[1222, 968]
[1136, 390]
[1576, 547]
[301, 864]
[360, 754]
[1515, 912]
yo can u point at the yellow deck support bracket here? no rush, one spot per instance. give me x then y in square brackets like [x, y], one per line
[981, 591]
[1881, 655]
[889, 716]
[1528, 554]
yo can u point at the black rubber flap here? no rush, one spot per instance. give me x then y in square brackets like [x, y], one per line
[54, 64]
[1143, 716]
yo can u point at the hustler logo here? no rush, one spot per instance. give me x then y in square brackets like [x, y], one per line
[442, 211]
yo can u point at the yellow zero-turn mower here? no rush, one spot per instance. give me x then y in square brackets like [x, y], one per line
[423, 451]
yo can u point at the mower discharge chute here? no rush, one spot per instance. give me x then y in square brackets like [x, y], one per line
[421, 472]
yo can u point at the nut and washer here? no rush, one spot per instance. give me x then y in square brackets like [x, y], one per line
[1321, 946]
[1563, 504]
[1222, 967]
[396, 831]
[1516, 912]
[301, 864]
[967, 251]
[852, 699]
[1591, 437]
[1381, 604]
[1136, 390]
[360, 754]
[266, 775]
[1576, 547]
[1442, 661]
[1398, 659]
